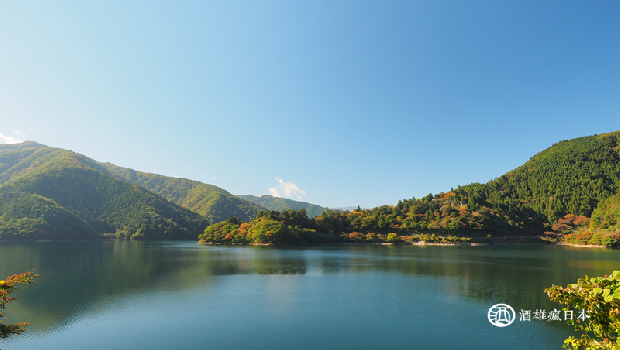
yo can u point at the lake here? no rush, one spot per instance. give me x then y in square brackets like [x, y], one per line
[166, 295]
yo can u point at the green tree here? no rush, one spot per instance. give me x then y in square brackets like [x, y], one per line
[392, 237]
[268, 231]
[600, 298]
[233, 220]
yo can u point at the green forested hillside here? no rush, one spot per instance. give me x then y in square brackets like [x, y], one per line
[607, 215]
[569, 181]
[93, 192]
[572, 176]
[212, 202]
[279, 204]
[50, 193]
[53, 193]
[31, 216]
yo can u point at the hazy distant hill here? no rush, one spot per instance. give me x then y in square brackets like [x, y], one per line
[25, 144]
[212, 202]
[350, 208]
[279, 204]
[51, 193]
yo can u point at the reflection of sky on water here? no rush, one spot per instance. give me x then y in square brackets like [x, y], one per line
[134, 289]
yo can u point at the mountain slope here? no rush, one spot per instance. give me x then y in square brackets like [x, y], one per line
[607, 214]
[212, 202]
[279, 204]
[31, 216]
[572, 176]
[42, 188]
[579, 176]
[50, 193]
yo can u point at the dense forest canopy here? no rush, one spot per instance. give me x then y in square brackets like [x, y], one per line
[572, 176]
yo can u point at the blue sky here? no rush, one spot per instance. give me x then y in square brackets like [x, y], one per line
[336, 102]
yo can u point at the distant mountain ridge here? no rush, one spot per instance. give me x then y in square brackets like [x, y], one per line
[212, 202]
[279, 204]
[39, 185]
[51, 193]
[25, 144]
[349, 208]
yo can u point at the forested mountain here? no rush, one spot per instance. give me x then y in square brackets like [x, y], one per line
[212, 202]
[51, 193]
[557, 189]
[35, 169]
[572, 176]
[279, 204]
[607, 214]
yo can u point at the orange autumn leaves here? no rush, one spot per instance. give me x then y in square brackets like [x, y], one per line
[7, 287]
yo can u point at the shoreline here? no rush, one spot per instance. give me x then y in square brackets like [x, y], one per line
[421, 243]
[582, 245]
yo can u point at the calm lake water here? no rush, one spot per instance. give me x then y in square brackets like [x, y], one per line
[179, 295]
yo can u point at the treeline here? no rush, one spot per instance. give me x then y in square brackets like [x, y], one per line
[288, 226]
[554, 193]
[424, 217]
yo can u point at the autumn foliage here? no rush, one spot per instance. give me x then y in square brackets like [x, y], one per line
[6, 288]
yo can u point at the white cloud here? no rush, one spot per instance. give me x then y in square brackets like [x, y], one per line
[17, 137]
[286, 189]
[274, 192]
